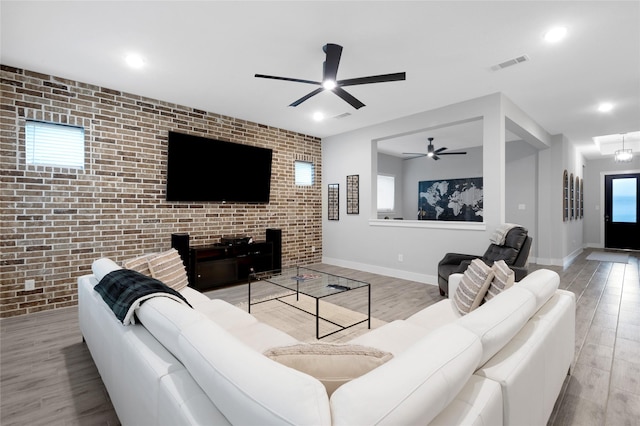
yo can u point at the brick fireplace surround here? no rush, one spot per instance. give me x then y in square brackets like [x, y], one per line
[56, 221]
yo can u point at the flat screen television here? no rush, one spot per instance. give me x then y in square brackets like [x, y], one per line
[204, 169]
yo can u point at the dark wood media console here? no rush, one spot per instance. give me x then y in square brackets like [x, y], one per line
[220, 265]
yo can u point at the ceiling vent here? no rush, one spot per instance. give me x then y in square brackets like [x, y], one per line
[510, 62]
[346, 114]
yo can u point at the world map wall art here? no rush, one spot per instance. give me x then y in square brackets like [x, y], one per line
[451, 200]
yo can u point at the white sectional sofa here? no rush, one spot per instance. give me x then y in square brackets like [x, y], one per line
[503, 363]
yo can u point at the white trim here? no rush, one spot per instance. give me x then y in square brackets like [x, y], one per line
[380, 270]
[468, 226]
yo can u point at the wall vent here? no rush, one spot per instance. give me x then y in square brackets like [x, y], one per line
[510, 62]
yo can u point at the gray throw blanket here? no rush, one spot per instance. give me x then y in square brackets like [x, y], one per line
[124, 290]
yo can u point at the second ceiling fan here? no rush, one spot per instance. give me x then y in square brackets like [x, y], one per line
[330, 82]
[431, 152]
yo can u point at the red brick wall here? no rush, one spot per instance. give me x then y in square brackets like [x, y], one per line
[56, 221]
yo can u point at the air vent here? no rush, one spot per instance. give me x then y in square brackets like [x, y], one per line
[346, 114]
[510, 62]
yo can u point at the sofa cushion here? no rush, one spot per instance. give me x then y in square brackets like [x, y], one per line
[140, 263]
[332, 364]
[103, 266]
[498, 320]
[435, 316]
[503, 278]
[194, 297]
[247, 387]
[164, 319]
[168, 268]
[413, 387]
[473, 286]
[478, 403]
[542, 283]
[394, 337]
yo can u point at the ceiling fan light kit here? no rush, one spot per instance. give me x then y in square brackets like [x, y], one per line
[331, 83]
[432, 152]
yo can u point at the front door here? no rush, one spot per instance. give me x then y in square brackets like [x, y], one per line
[621, 211]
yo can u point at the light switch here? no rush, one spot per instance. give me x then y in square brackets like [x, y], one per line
[521, 207]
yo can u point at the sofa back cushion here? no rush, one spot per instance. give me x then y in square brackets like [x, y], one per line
[498, 320]
[103, 266]
[542, 283]
[247, 387]
[165, 319]
[414, 386]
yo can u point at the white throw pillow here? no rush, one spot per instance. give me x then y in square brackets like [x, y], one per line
[168, 268]
[504, 277]
[332, 364]
[473, 286]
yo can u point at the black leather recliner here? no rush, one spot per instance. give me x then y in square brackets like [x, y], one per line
[514, 251]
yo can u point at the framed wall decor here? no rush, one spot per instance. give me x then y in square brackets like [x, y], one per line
[565, 196]
[451, 200]
[334, 201]
[353, 194]
[571, 198]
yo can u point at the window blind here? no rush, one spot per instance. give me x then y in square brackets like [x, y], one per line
[303, 173]
[54, 144]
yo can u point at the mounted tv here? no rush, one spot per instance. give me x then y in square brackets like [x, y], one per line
[203, 169]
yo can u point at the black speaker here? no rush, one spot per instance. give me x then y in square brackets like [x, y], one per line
[180, 242]
[274, 236]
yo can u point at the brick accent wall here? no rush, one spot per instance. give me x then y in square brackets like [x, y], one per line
[56, 221]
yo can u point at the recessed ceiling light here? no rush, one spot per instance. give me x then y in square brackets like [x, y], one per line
[555, 34]
[605, 107]
[134, 61]
[318, 116]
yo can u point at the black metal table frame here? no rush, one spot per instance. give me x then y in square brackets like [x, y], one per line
[262, 276]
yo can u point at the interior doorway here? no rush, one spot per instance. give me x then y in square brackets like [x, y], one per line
[621, 208]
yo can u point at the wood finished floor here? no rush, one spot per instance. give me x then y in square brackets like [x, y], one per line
[47, 376]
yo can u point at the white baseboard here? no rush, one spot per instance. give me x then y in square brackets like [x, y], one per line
[395, 273]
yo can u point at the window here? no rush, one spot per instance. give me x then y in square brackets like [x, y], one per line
[54, 144]
[624, 200]
[303, 173]
[386, 193]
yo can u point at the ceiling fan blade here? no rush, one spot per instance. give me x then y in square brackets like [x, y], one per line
[373, 79]
[307, 96]
[435, 157]
[347, 97]
[330, 66]
[413, 155]
[297, 80]
[453, 153]
[439, 150]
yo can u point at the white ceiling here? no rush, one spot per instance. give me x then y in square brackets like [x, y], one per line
[204, 54]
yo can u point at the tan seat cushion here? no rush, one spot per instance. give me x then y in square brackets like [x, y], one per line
[332, 364]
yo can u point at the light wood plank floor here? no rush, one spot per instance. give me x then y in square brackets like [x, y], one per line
[48, 377]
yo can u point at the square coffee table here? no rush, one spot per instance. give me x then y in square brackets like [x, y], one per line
[315, 284]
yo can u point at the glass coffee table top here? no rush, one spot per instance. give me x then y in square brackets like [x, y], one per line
[315, 284]
[310, 282]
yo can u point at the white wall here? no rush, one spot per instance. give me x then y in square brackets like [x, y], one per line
[411, 249]
[521, 189]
